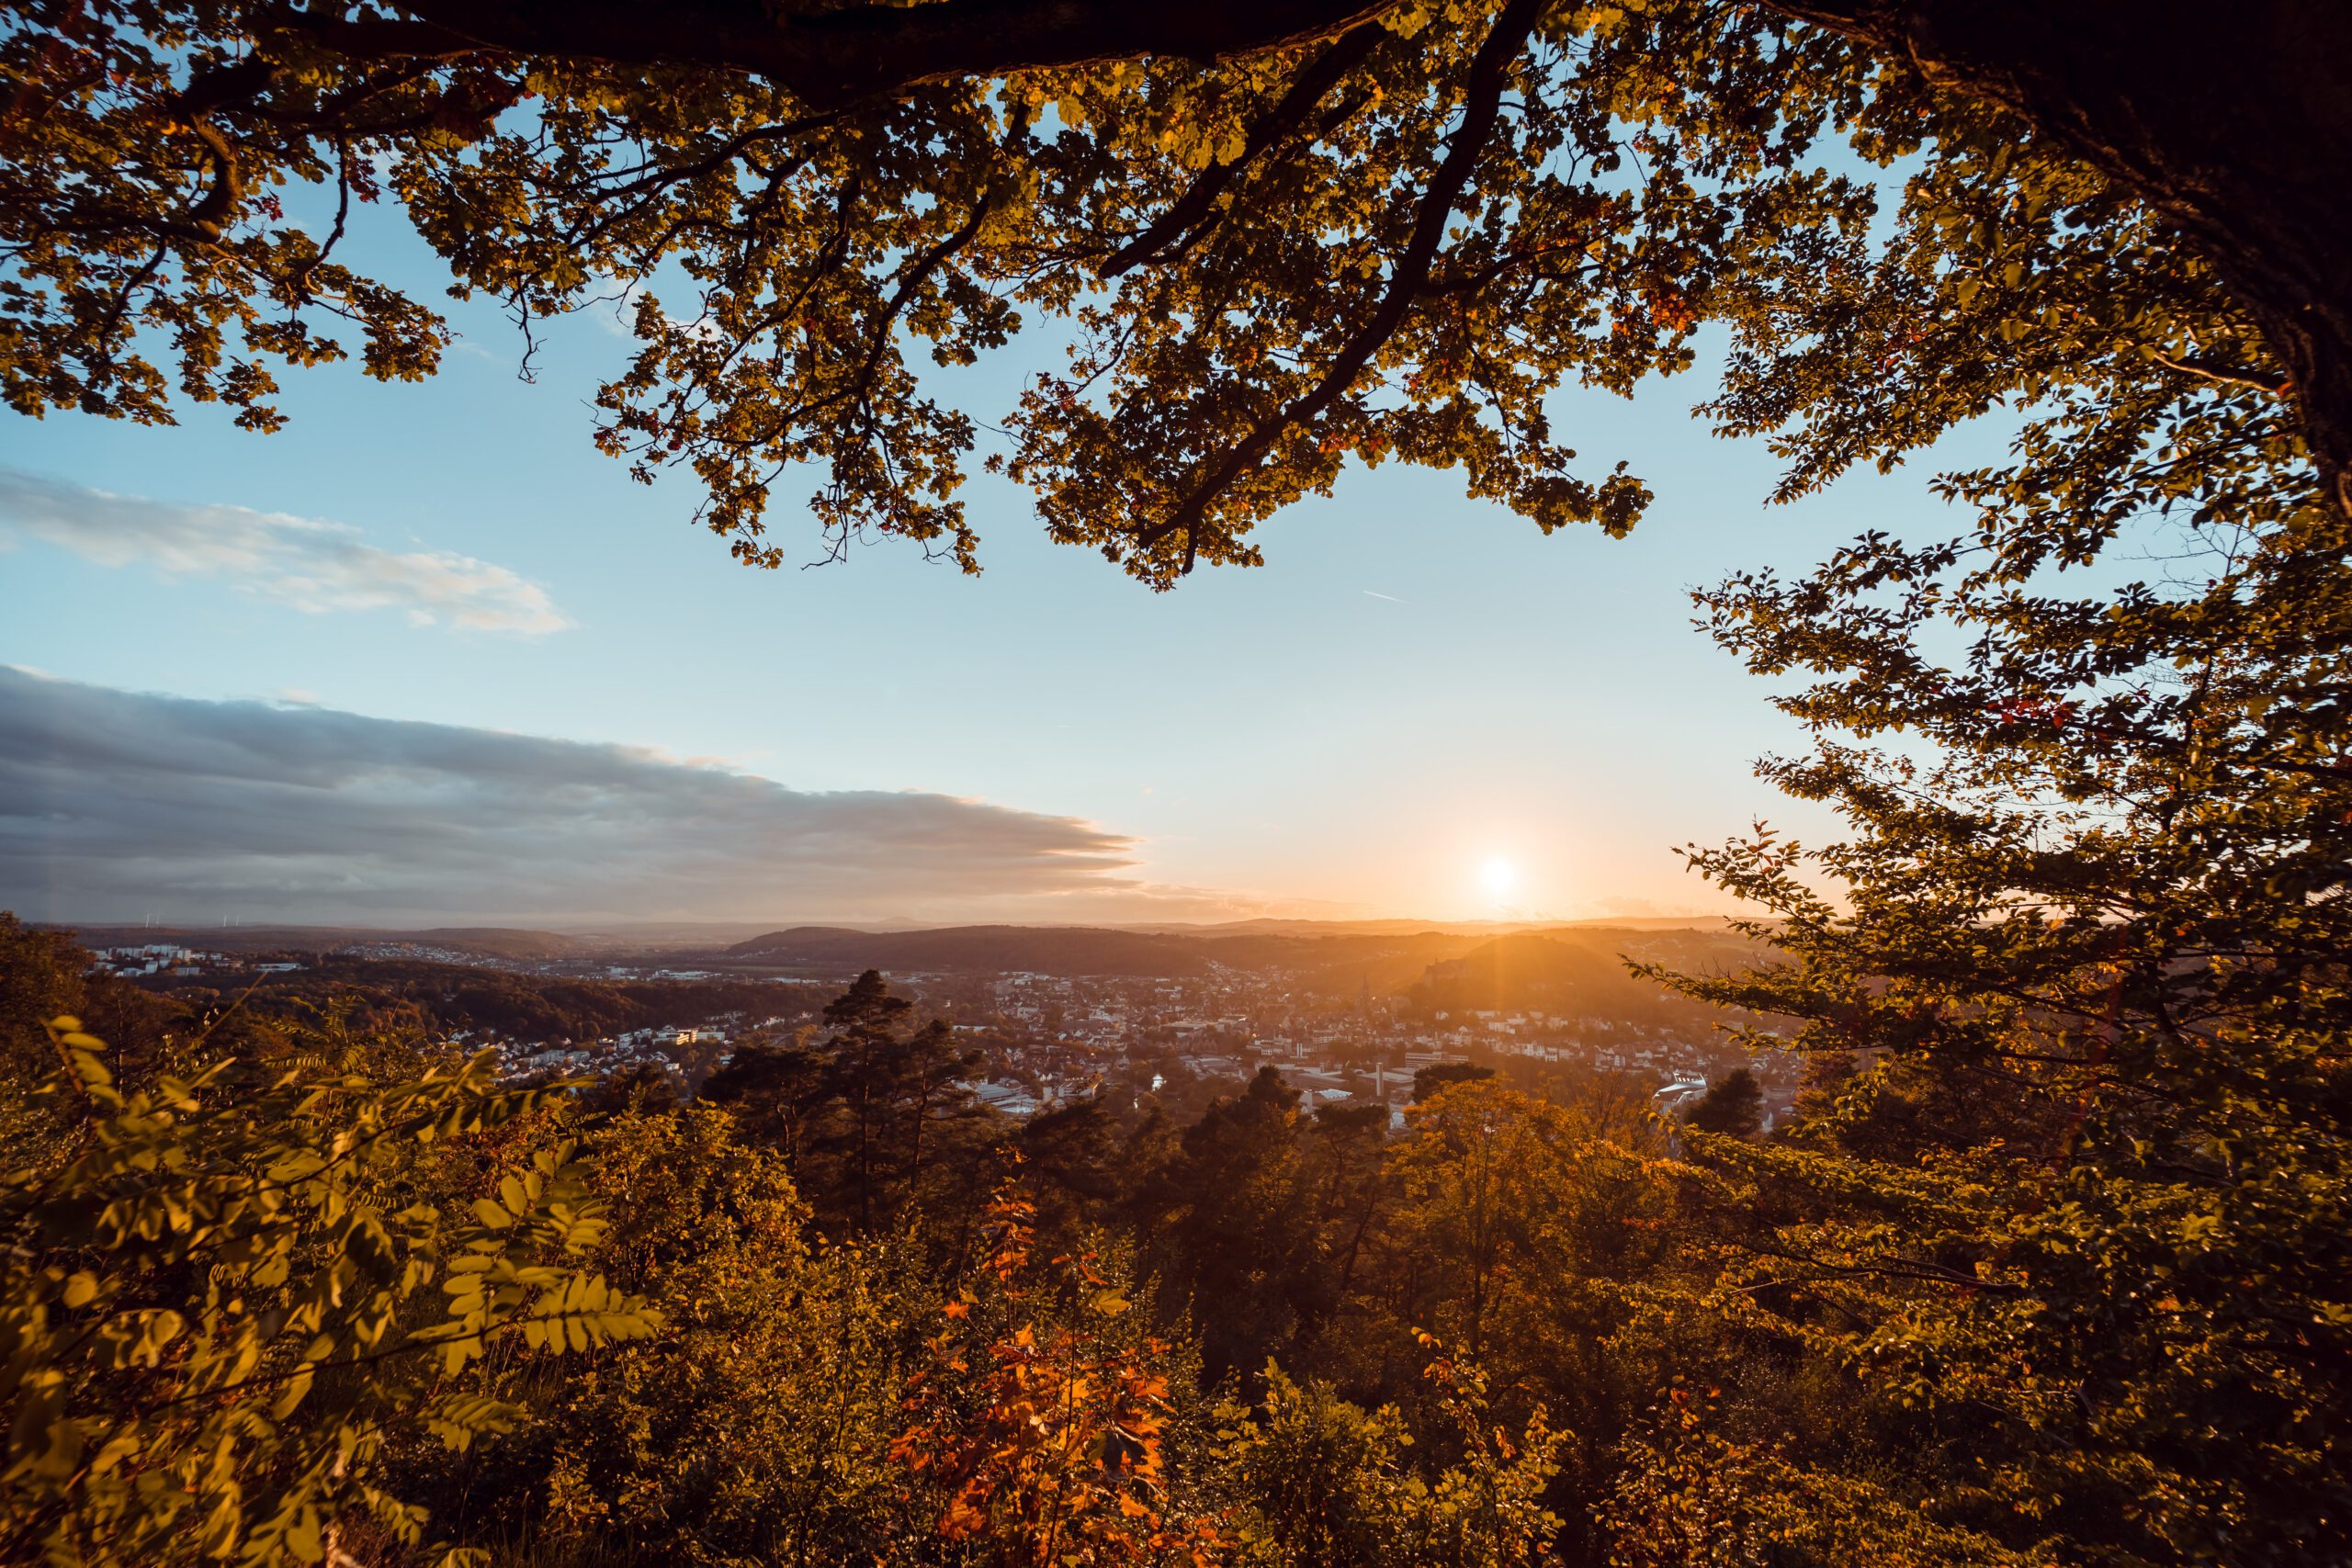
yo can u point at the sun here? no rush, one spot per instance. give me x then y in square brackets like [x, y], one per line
[1498, 876]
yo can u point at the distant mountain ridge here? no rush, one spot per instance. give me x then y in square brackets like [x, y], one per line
[1518, 971]
[1382, 961]
[1039, 949]
[1274, 926]
[1329, 956]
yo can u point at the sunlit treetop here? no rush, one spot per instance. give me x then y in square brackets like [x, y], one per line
[1272, 238]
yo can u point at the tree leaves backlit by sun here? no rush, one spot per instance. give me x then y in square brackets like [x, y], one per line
[245, 1418]
[1361, 231]
[1052, 1453]
[1389, 243]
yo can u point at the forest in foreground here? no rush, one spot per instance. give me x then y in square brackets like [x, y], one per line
[303, 1291]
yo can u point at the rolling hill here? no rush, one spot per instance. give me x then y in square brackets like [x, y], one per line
[1514, 968]
[1038, 949]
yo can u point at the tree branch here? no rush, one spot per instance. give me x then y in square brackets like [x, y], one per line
[1482, 97]
[1194, 212]
[2227, 375]
[853, 55]
[211, 214]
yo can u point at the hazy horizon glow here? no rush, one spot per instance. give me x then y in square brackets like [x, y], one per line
[129, 806]
[1414, 686]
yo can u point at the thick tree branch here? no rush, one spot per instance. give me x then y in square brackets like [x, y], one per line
[1194, 212]
[220, 203]
[2226, 375]
[2236, 128]
[856, 55]
[1482, 100]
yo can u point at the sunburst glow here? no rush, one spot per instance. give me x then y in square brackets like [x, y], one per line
[1498, 876]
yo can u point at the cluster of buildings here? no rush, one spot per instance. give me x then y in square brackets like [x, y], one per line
[172, 958]
[1049, 1040]
[689, 1050]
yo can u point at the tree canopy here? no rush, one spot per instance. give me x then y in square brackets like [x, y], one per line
[1732, 1106]
[1274, 237]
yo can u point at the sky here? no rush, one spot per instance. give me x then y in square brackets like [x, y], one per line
[425, 657]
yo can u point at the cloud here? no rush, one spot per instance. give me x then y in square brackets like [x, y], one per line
[115, 804]
[313, 565]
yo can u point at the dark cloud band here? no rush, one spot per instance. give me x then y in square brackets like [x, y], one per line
[115, 804]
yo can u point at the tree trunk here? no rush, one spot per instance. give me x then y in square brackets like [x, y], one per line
[2233, 122]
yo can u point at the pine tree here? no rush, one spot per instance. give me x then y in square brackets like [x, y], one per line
[875, 1111]
[1732, 1106]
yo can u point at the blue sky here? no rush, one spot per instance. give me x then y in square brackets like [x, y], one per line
[1414, 686]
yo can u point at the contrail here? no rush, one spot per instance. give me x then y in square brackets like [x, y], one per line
[1390, 597]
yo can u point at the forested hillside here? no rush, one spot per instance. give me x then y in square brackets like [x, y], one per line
[1043, 950]
[1336, 963]
[1579, 975]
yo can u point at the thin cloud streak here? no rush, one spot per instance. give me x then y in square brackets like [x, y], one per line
[316, 567]
[116, 803]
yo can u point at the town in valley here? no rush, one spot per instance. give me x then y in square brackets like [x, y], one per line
[1053, 1016]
